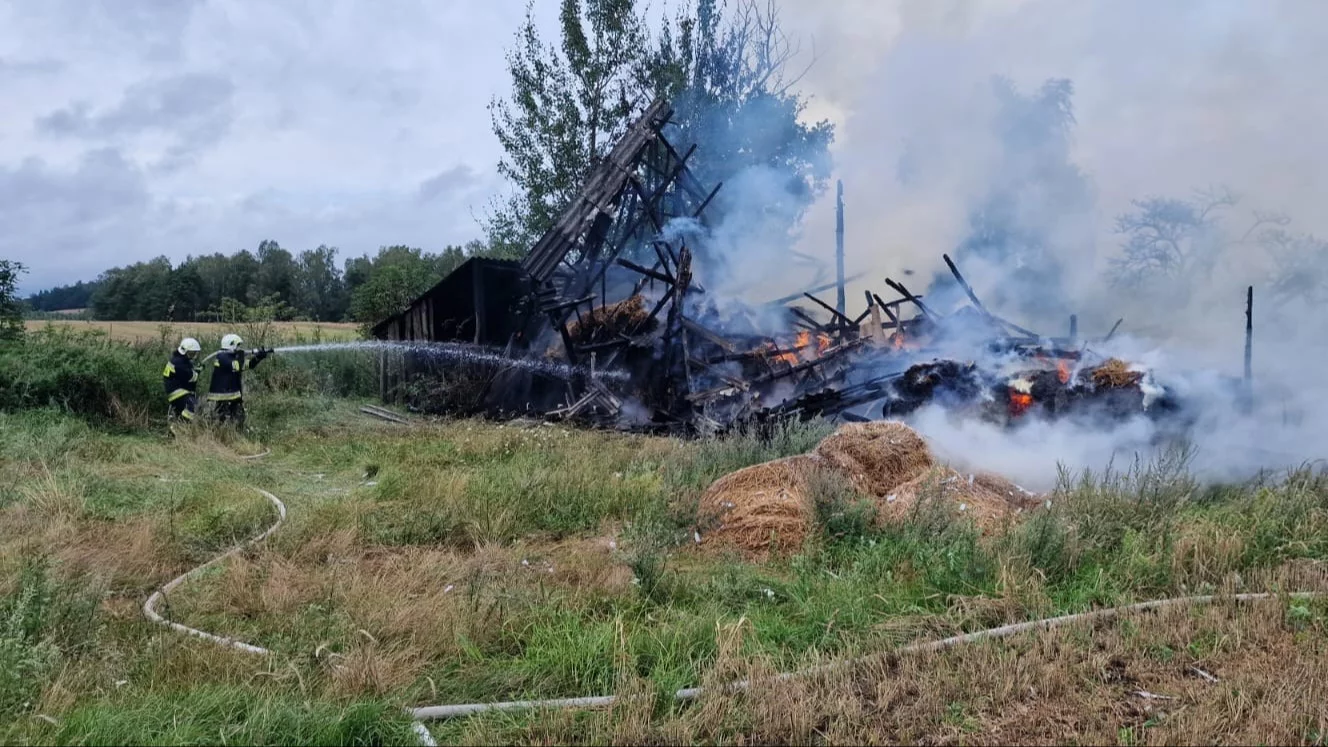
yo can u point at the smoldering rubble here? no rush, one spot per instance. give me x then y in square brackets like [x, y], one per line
[616, 292]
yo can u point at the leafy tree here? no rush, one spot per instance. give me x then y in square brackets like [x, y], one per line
[321, 292]
[11, 310]
[394, 278]
[727, 80]
[63, 297]
[1174, 245]
[568, 105]
[276, 272]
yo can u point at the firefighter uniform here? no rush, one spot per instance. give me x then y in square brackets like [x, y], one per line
[180, 379]
[226, 391]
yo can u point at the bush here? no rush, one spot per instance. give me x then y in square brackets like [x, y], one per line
[83, 373]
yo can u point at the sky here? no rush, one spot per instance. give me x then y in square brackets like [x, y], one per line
[137, 128]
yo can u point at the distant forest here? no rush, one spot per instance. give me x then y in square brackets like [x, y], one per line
[309, 285]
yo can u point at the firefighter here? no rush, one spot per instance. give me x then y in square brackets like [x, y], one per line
[226, 391]
[180, 378]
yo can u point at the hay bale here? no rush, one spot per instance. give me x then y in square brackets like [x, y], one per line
[607, 322]
[1115, 373]
[761, 508]
[769, 508]
[989, 500]
[877, 456]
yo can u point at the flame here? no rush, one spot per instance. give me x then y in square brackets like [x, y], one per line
[897, 340]
[1019, 402]
[823, 342]
[804, 339]
[1063, 371]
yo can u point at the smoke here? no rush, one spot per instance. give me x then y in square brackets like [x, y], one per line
[1012, 134]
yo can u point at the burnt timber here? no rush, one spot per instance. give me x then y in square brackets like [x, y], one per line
[609, 288]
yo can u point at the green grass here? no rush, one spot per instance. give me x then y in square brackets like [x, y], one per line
[463, 561]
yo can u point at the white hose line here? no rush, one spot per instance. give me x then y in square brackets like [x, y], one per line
[149, 607]
[1004, 631]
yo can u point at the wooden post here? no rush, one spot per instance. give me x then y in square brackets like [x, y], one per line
[839, 245]
[1249, 349]
[877, 332]
[1074, 327]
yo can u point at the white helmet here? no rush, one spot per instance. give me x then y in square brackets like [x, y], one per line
[188, 345]
[231, 342]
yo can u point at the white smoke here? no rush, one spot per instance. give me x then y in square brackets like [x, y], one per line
[1168, 98]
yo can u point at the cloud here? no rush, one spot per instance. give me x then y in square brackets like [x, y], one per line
[449, 183]
[194, 110]
[346, 122]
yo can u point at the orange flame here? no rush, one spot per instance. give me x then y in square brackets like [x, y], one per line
[804, 339]
[1063, 371]
[823, 342]
[1019, 402]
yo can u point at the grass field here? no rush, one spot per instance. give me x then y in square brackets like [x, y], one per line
[451, 562]
[137, 332]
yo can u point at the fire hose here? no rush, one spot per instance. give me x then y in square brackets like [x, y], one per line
[150, 606]
[438, 712]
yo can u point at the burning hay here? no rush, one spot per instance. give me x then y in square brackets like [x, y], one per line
[769, 508]
[610, 291]
[624, 318]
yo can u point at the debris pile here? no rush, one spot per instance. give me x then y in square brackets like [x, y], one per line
[770, 508]
[610, 291]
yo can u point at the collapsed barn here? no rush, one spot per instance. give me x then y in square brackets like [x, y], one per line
[610, 294]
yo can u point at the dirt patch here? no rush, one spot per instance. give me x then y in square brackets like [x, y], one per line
[770, 507]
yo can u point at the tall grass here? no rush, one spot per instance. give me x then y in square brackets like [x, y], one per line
[468, 561]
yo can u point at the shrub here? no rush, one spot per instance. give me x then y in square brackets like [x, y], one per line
[83, 373]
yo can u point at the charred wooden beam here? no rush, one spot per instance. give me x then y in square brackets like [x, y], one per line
[707, 335]
[886, 308]
[1114, 327]
[915, 300]
[634, 267]
[838, 316]
[817, 289]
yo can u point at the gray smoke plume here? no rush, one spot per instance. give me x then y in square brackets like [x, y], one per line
[1042, 143]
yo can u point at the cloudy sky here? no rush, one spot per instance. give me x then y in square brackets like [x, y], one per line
[136, 128]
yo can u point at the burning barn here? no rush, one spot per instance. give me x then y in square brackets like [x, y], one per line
[604, 321]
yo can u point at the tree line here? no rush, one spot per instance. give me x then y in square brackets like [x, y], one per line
[308, 285]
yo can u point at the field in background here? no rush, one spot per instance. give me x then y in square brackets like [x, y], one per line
[462, 561]
[139, 332]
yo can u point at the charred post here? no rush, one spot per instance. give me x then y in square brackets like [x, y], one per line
[840, 301]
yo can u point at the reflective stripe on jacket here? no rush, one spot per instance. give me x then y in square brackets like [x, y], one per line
[227, 370]
[180, 377]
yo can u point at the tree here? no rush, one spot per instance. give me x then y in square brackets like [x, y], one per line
[568, 105]
[320, 293]
[11, 309]
[276, 272]
[727, 81]
[1175, 245]
[63, 297]
[384, 285]
[1300, 268]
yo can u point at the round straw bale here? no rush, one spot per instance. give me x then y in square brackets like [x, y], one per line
[877, 456]
[760, 508]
